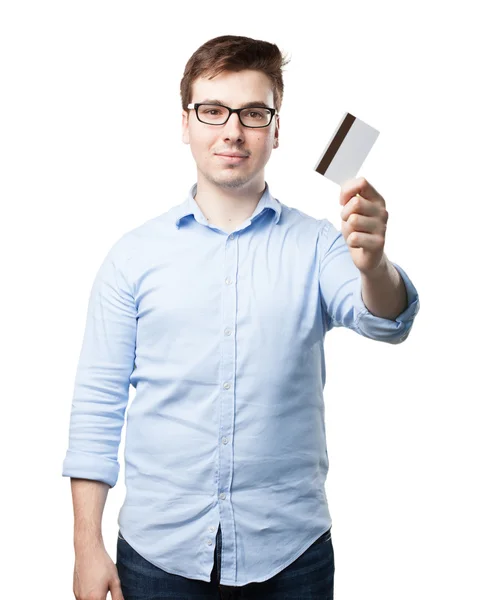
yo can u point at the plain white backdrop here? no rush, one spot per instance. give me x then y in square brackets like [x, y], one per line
[90, 147]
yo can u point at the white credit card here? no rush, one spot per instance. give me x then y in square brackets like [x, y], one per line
[346, 150]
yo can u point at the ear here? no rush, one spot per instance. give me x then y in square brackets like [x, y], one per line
[276, 134]
[185, 135]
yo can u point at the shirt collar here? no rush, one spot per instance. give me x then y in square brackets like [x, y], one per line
[191, 207]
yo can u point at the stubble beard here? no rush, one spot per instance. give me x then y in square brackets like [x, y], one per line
[238, 180]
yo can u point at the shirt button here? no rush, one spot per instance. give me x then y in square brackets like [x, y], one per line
[222, 496]
[226, 385]
[211, 528]
[209, 542]
[227, 331]
[231, 237]
[228, 281]
[225, 440]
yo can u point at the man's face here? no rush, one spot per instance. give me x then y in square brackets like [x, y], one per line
[232, 89]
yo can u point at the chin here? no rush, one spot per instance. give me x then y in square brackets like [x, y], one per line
[228, 179]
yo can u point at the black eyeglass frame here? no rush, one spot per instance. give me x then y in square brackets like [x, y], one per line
[233, 110]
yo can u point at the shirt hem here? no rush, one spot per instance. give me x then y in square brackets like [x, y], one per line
[283, 566]
[229, 582]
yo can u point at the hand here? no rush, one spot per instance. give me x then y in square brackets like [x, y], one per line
[364, 221]
[94, 574]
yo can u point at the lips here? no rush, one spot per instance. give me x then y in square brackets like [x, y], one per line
[233, 154]
[234, 158]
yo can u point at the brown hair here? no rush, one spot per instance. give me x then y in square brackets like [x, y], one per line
[234, 53]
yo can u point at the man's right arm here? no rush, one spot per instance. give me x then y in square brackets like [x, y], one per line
[89, 498]
[99, 402]
[95, 574]
[102, 382]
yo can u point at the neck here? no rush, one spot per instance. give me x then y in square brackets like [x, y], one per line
[228, 206]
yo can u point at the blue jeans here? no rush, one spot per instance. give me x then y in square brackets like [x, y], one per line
[311, 576]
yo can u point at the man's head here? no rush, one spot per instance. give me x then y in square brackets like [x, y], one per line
[232, 71]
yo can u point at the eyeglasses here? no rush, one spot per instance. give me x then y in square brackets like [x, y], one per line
[218, 114]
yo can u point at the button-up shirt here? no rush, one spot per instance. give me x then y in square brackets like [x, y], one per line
[222, 337]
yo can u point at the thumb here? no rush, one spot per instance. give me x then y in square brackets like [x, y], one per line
[116, 592]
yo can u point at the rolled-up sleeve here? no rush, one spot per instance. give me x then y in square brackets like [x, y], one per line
[341, 298]
[102, 381]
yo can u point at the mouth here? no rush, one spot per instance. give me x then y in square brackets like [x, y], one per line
[231, 159]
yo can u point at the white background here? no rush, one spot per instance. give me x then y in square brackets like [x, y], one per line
[87, 154]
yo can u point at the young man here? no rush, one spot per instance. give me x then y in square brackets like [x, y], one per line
[216, 312]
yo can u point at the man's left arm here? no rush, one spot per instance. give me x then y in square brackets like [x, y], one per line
[384, 292]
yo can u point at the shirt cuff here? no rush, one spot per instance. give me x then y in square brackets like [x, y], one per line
[382, 329]
[90, 466]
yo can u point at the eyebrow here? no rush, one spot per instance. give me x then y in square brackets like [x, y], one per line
[245, 105]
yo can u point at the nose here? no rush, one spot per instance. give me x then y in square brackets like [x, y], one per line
[233, 129]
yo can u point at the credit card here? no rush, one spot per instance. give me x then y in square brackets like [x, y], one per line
[346, 150]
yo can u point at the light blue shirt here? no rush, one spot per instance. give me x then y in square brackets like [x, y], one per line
[222, 336]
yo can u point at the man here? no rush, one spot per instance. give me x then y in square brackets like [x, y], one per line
[216, 313]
